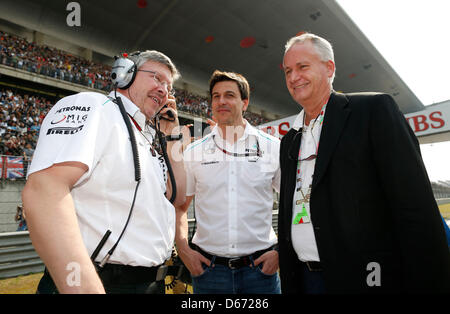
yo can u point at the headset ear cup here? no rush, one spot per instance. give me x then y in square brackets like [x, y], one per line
[133, 76]
[123, 73]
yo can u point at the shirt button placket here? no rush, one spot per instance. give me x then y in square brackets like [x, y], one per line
[233, 216]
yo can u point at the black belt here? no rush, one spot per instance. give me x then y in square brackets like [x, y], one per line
[313, 266]
[126, 274]
[233, 262]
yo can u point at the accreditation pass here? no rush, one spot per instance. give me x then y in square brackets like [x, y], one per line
[301, 212]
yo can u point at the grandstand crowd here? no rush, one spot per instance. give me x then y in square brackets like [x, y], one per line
[20, 119]
[17, 52]
[22, 113]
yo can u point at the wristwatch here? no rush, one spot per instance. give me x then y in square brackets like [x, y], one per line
[174, 137]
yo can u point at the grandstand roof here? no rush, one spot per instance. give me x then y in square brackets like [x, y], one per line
[204, 35]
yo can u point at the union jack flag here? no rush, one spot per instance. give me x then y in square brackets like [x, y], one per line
[2, 163]
[13, 167]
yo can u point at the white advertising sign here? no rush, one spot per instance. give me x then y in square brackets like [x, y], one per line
[433, 119]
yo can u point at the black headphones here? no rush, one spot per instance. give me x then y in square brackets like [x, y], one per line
[124, 70]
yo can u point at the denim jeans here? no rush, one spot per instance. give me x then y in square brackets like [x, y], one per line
[220, 279]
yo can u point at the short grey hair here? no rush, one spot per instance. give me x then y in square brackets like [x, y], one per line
[323, 47]
[140, 58]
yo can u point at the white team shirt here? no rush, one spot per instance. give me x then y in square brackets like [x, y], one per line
[233, 195]
[303, 238]
[88, 128]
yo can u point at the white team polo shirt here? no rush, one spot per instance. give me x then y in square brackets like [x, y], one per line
[88, 128]
[233, 195]
[303, 238]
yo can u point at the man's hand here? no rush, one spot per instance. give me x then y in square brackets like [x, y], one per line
[212, 122]
[269, 261]
[167, 125]
[171, 126]
[193, 260]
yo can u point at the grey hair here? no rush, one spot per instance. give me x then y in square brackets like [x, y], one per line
[152, 55]
[322, 46]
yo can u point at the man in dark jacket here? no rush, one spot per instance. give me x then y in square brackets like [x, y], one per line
[357, 212]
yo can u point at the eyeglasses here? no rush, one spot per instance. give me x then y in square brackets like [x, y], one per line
[295, 155]
[170, 91]
[312, 155]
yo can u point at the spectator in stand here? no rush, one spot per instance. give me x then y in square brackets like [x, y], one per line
[22, 128]
[20, 218]
[28, 151]
[13, 148]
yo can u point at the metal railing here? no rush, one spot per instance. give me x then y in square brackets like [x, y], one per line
[17, 255]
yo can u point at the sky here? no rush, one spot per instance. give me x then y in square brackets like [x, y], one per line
[412, 35]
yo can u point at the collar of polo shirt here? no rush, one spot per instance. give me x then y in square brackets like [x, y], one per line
[247, 131]
[132, 110]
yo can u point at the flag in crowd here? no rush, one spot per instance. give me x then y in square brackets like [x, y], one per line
[12, 167]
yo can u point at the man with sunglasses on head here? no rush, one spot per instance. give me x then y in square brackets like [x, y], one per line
[231, 172]
[81, 183]
[357, 212]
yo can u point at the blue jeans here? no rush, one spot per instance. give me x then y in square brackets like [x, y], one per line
[220, 279]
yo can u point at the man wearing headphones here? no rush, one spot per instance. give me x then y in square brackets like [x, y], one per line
[231, 172]
[82, 184]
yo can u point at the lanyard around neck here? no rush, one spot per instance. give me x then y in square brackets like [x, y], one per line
[152, 149]
[247, 154]
[320, 116]
[135, 123]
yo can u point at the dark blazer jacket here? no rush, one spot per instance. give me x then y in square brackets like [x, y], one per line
[371, 201]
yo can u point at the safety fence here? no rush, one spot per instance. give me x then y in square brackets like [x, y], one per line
[18, 257]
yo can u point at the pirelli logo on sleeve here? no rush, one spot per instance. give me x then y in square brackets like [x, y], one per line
[64, 130]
